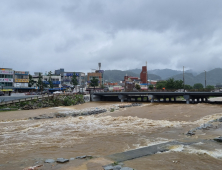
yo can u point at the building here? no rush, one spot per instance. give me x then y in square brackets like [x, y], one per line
[66, 77]
[98, 74]
[152, 82]
[6, 80]
[56, 80]
[21, 79]
[143, 75]
[129, 82]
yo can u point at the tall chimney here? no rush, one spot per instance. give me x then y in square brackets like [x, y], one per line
[99, 66]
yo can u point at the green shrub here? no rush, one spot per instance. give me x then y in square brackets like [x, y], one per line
[112, 110]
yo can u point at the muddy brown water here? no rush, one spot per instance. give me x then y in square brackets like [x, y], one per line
[25, 142]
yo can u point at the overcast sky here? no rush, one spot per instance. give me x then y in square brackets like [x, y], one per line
[44, 35]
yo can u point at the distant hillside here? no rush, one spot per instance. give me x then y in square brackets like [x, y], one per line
[188, 78]
[118, 75]
[213, 77]
[163, 73]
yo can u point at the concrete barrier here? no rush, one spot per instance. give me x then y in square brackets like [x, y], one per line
[17, 94]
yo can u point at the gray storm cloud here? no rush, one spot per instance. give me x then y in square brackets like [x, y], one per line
[76, 35]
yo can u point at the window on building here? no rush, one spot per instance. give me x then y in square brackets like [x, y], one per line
[8, 76]
[4, 84]
[8, 84]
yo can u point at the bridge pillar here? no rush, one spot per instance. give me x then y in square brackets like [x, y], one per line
[121, 97]
[158, 99]
[198, 100]
[164, 99]
[142, 98]
[151, 98]
[187, 101]
[94, 97]
[169, 99]
[193, 100]
[206, 99]
[187, 97]
[175, 99]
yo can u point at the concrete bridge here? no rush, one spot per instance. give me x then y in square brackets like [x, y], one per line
[190, 97]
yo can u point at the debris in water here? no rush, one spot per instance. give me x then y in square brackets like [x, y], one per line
[33, 167]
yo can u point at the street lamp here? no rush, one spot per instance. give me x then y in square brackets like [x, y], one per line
[205, 79]
[183, 81]
[60, 82]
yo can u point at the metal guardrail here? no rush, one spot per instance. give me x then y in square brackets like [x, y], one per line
[23, 99]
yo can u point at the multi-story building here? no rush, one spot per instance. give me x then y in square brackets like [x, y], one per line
[56, 80]
[6, 79]
[21, 79]
[98, 75]
[66, 77]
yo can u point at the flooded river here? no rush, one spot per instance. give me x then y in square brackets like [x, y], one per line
[25, 142]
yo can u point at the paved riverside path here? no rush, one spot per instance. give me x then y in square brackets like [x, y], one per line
[145, 151]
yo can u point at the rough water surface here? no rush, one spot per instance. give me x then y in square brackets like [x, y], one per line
[25, 142]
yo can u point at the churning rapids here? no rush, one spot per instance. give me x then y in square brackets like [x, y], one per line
[25, 142]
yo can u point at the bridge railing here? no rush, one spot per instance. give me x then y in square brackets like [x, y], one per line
[159, 90]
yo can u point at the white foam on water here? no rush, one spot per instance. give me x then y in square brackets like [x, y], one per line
[75, 129]
[199, 143]
[213, 153]
[192, 150]
[207, 118]
[176, 148]
[143, 142]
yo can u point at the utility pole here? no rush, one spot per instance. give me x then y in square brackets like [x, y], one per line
[205, 80]
[183, 81]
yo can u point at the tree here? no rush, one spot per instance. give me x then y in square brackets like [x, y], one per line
[94, 82]
[151, 87]
[188, 87]
[50, 80]
[198, 86]
[40, 83]
[170, 84]
[31, 81]
[102, 86]
[137, 87]
[178, 84]
[160, 84]
[173, 84]
[74, 80]
[210, 87]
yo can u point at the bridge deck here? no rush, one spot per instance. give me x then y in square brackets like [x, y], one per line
[151, 96]
[160, 93]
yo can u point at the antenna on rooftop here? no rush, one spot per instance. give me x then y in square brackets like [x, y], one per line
[99, 66]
